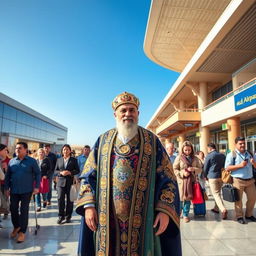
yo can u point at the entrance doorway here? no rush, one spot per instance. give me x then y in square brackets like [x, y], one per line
[251, 146]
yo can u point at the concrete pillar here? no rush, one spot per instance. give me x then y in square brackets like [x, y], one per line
[181, 139]
[204, 138]
[235, 82]
[162, 139]
[168, 140]
[204, 131]
[234, 130]
[202, 97]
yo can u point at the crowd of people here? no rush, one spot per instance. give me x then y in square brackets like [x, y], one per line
[32, 174]
[130, 186]
[190, 167]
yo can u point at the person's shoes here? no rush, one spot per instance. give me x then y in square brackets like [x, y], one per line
[186, 219]
[49, 203]
[241, 221]
[15, 232]
[44, 204]
[224, 214]
[68, 220]
[215, 211]
[60, 219]
[38, 209]
[5, 216]
[21, 237]
[252, 218]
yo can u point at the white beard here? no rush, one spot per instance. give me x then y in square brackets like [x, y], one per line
[126, 131]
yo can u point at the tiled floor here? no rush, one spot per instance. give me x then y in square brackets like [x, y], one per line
[51, 238]
[208, 235]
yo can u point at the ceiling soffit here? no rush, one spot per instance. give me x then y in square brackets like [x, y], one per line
[181, 28]
[236, 49]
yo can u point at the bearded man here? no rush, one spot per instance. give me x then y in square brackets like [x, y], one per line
[128, 196]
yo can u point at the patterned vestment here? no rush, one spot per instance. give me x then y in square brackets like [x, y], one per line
[128, 184]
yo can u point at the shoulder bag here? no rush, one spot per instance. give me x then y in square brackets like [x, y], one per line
[226, 176]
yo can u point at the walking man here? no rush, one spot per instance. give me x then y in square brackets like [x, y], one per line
[22, 173]
[240, 163]
[214, 162]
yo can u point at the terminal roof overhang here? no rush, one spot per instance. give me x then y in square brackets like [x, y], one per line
[219, 55]
[177, 28]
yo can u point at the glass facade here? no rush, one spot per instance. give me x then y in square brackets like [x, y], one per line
[223, 90]
[195, 141]
[17, 124]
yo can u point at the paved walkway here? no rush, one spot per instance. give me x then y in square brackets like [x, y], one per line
[201, 236]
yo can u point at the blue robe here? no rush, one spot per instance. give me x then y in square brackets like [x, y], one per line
[153, 189]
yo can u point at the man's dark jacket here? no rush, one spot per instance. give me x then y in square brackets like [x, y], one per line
[213, 164]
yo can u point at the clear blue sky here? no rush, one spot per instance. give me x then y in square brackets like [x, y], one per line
[69, 59]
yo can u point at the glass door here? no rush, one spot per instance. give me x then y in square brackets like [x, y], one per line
[251, 146]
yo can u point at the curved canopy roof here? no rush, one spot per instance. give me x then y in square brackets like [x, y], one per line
[176, 28]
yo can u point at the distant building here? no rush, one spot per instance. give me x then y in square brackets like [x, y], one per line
[213, 45]
[21, 123]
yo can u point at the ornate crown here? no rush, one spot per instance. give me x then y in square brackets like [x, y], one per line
[125, 98]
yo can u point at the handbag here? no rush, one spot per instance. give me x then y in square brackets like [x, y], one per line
[229, 193]
[74, 190]
[44, 186]
[205, 196]
[226, 176]
[198, 197]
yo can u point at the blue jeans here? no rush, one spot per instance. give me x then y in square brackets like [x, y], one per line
[49, 194]
[185, 206]
[38, 199]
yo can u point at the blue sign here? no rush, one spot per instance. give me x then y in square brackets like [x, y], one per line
[245, 98]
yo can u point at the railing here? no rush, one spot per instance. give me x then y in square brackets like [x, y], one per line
[195, 110]
[188, 110]
[230, 94]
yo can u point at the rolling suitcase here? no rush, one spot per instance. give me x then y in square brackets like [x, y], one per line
[200, 209]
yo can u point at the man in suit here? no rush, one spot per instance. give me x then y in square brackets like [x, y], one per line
[66, 168]
[22, 173]
[214, 162]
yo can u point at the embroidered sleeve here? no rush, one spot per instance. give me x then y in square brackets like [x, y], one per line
[88, 179]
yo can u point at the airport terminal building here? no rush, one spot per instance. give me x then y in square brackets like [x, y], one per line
[21, 123]
[213, 45]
